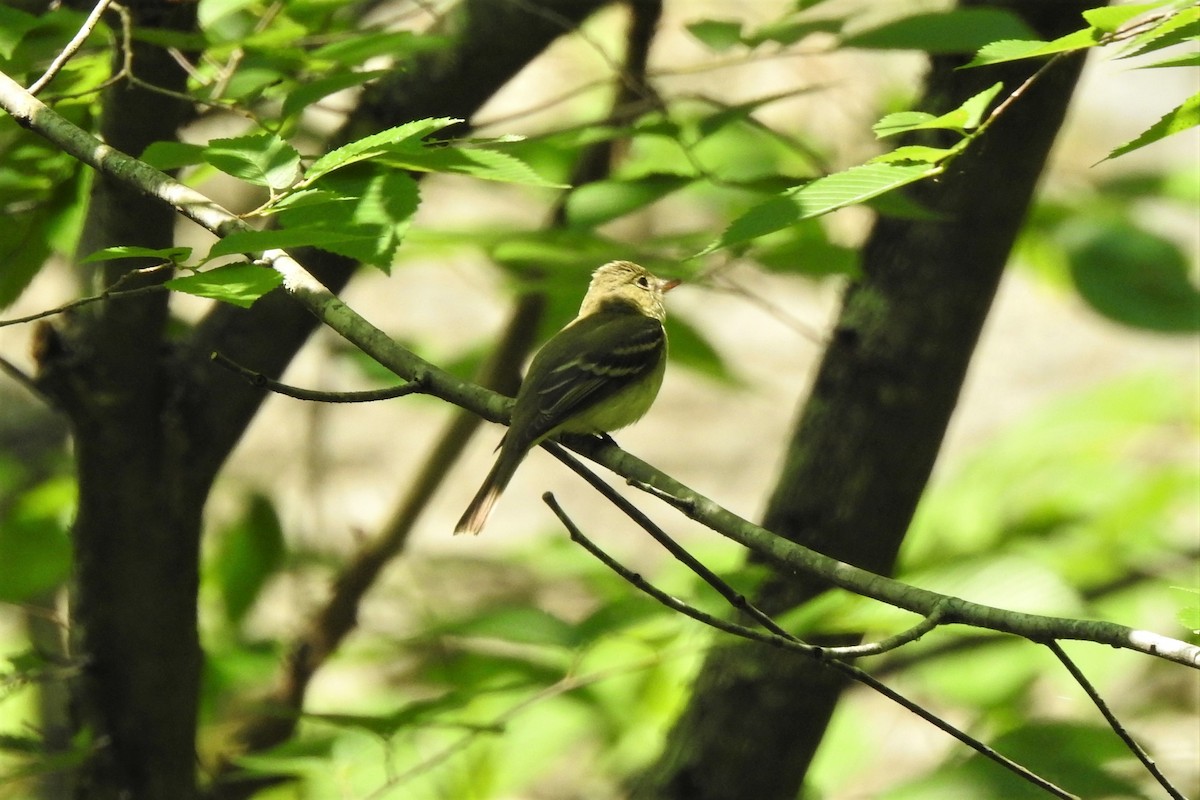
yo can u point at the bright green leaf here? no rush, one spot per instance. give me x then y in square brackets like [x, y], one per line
[1184, 116]
[490, 165]
[1177, 28]
[914, 152]
[821, 196]
[35, 550]
[1015, 50]
[375, 144]
[359, 46]
[967, 116]
[959, 31]
[239, 284]
[1185, 60]
[1110, 18]
[262, 159]
[789, 31]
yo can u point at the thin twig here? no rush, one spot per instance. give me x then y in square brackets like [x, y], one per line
[108, 294]
[270, 384]
[824, 654]
[1113, 722]
[72, 47]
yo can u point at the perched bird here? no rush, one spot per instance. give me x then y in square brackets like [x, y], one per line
[599, 373]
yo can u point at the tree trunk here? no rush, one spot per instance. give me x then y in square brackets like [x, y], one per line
[869, 434]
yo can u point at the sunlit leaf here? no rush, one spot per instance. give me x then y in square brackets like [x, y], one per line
[821, 196]
[170, 254]
[375, 144]
[1181, 118]
[239, 284]
[1017, 49]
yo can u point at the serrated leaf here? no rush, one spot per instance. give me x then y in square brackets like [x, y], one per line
[172, 254]
[1174, 29]
[717, 35]
[375, 204]
[1109, 18]
[477, 162]
[958, 31]
[250, 242]
[375, 144]
[1187, 60]
[1184, 116]
[238, 284]
[1015, 50]
[261, 159]
[966, 117]
[821, 196]
[914, 152]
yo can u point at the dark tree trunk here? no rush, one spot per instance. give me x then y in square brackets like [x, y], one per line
[869, 434]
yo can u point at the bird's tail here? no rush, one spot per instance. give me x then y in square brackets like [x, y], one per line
[477, 513]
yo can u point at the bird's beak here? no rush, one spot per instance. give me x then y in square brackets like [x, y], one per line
[665, 286]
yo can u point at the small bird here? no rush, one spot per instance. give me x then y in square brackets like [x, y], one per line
[599, 373]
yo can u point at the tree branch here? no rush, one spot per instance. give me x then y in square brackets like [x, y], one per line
[787, 555]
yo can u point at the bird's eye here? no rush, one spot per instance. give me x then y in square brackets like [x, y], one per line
[643, 282]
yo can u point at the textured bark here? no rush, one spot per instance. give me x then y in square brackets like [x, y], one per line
[153, 422]
[867, 438]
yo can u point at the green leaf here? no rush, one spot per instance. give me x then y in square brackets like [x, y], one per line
[1178, 28]
[359, 46]
[375, 144]
[239, 284]
[374, 206]
[690, 348]
[313, 91]
[717, 35]
[967, 116]
[789, 31]
[172, 254]
[477, 162]
[913, 152]
[1186, 60]
[1184, 116]
[602, 201]
[173, 155]
[959, 31]
[1015, 50]
[1110, 18]
[14, 25]
[263, 160]
[247, 554]
[251, 242]
[1133, 276]
[35, 550]
[821, 196]
[520, 624]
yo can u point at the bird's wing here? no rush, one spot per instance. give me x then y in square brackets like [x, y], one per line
[588, 362]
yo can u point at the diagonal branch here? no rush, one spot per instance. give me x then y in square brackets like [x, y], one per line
[787, 555]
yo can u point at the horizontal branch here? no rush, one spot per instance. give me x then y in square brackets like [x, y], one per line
[32, 114]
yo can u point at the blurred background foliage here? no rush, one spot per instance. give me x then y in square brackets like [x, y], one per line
[528, 670]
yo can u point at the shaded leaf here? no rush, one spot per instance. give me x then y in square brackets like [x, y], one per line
[172, 254]
[239, 284]
[717, 35]
[1133, 276]
[262, 159]
[959, 31]
[173, 155]
[602, 201]
[248, 553]
[491, 165]
[313, 91]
